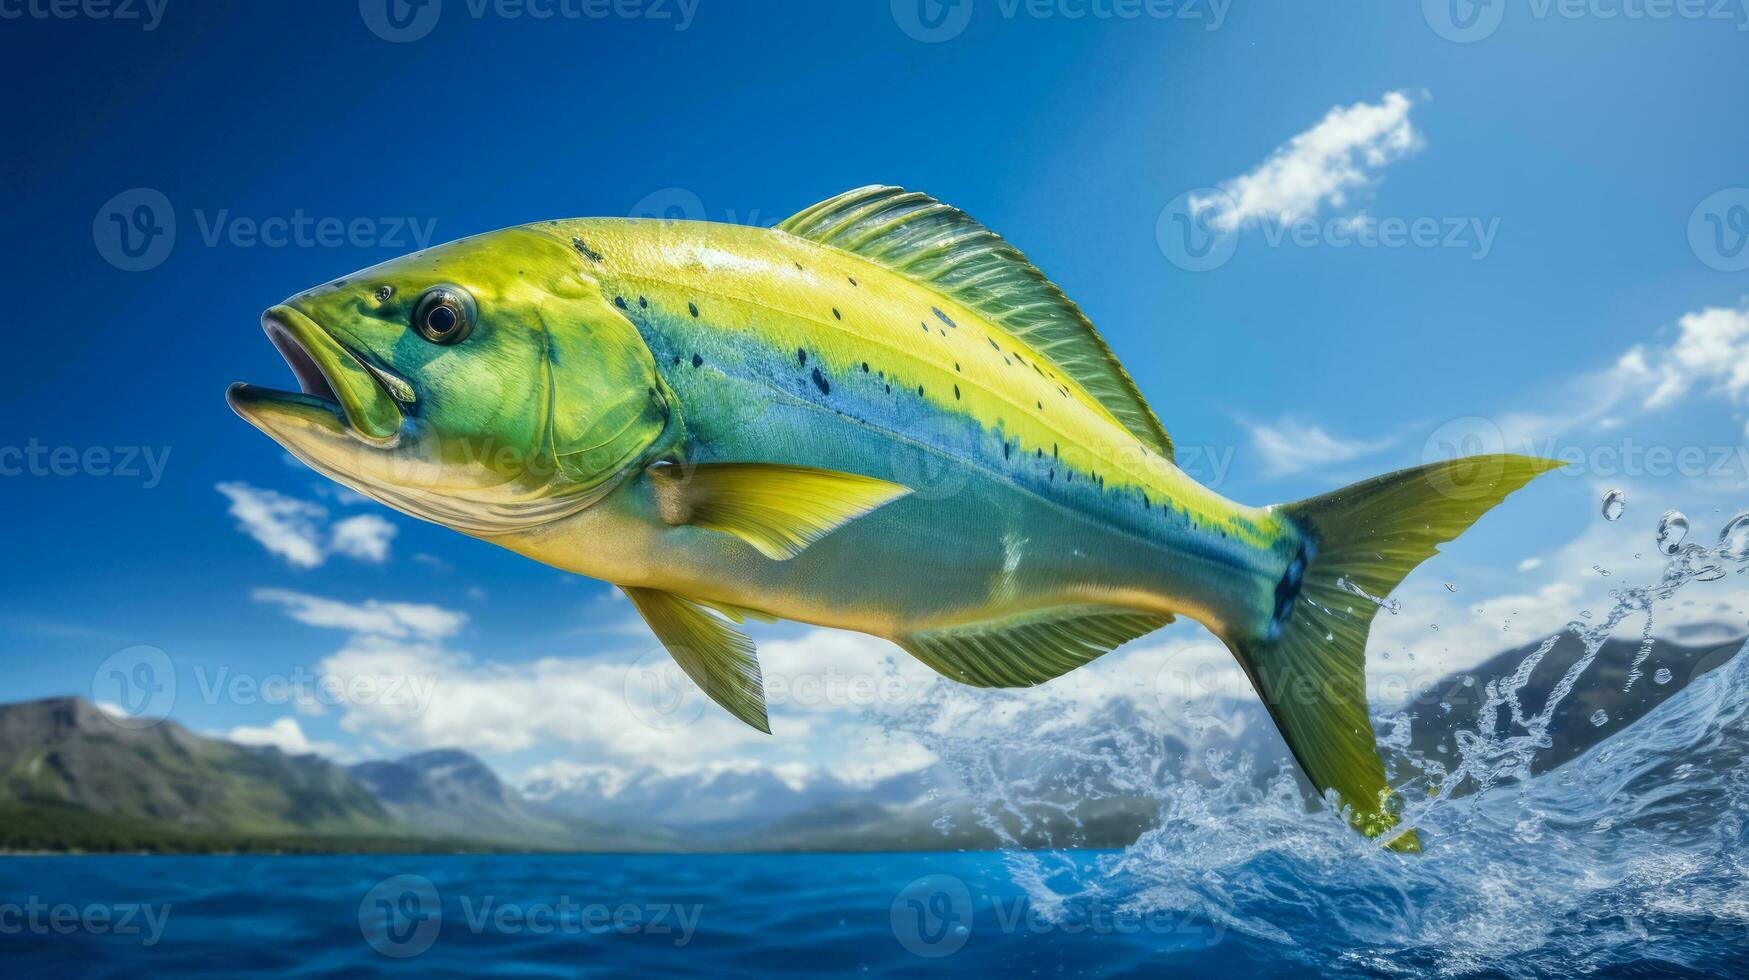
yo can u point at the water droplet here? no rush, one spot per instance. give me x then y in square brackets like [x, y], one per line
[1599, 569]
[1469, 680]
[1445, 706]
[1614, 502]
[1662, 676]
[1672, 528]
[1734, 539]
[1450, 587]
[1600, 717]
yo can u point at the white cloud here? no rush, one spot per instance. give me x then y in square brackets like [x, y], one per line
[364, 537]
[1709, 357]
[284, 734]
[1712, 349]
[591, 705]
[1530, 564]
[298, 530]
[372, 617]
[1326, 164]
[1287, 446]
[286, 526]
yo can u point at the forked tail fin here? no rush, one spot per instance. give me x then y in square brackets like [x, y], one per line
[1310, 664]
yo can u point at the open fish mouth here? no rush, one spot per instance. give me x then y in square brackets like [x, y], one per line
[337, 389]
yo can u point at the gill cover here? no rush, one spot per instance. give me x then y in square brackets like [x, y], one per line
[607, 402]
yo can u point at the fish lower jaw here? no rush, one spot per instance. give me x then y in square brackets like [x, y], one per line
[334, 383]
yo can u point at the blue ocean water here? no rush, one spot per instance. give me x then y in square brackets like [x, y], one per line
[1628, 860]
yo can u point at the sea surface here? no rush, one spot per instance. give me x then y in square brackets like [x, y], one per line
[1628, 860]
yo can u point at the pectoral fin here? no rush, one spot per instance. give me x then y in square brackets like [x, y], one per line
[719, 658]
[779, 510]
[1021, 651]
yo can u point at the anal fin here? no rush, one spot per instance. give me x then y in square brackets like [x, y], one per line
[718, 657]
[1021, 651]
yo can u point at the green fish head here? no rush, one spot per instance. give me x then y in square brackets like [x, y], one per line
[485, 384]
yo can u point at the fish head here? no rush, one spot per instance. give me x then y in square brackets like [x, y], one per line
[485, 384]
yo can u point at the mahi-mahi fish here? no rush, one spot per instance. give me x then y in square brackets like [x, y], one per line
[876, 416]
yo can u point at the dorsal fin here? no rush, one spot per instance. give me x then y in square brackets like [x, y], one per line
[928, 242]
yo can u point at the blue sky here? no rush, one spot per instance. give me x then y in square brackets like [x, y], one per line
[1584, 169]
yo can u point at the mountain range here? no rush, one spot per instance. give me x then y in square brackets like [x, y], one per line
[75, 778]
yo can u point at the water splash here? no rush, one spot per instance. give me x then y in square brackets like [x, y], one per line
[1614, 503]
[1392, 606]
[1672, 528]
[1632, 855]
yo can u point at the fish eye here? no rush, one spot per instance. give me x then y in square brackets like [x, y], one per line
[444, 314]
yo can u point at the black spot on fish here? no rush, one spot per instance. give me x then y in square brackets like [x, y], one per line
[1053, 450]
[697, 360]
[1038, 405]
[943, 317]
[1005, 448]
[852, 279]
[925, 327]
[956, 365]
[835, 314]
[993, 345]
[1053, 476]
[820, 383]
[587, 252]
[864, 367]
[677, 358]
[643, 304]
[1007, 362]
[799, 267]
[889, 389]
[1038, 454]
[693, 309]
[956, 393]
[801, 356]
[619, 301]
[920, 391]
[1145, 504]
